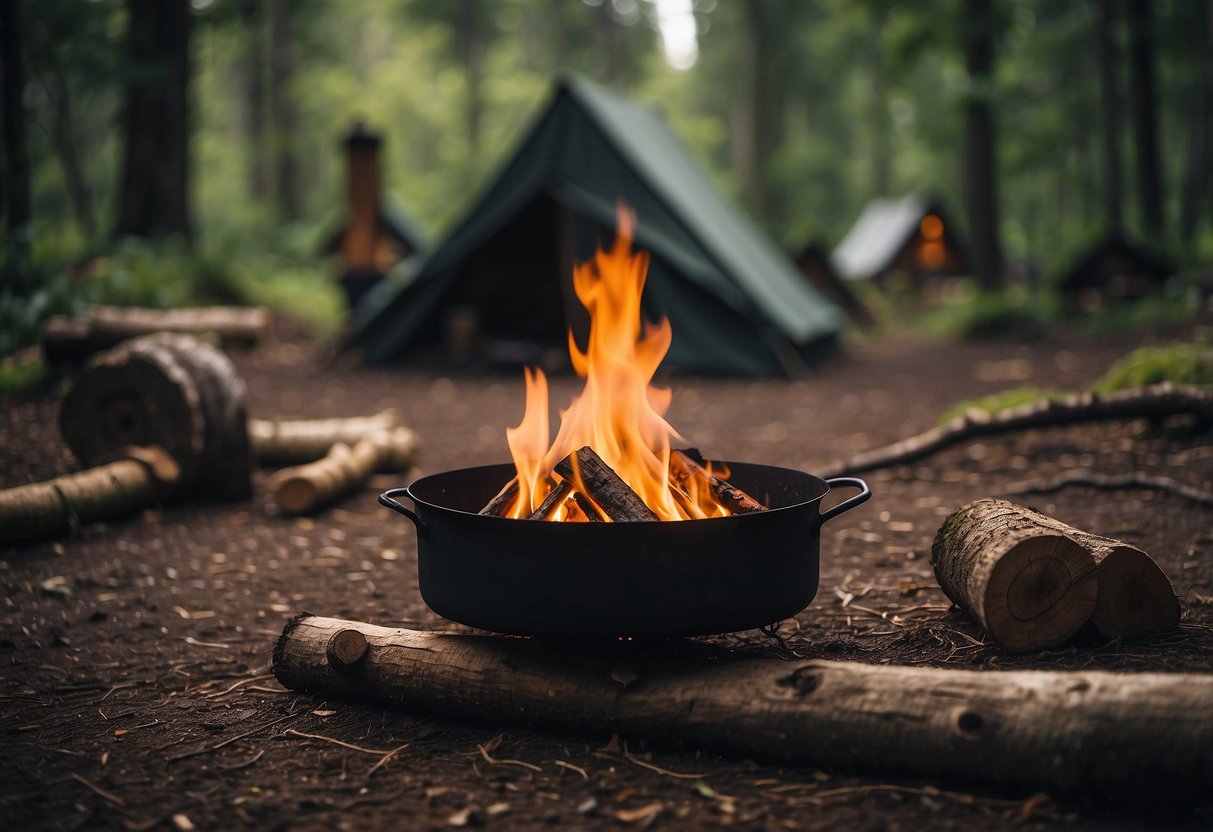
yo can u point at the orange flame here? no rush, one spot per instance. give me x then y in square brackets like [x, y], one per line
[618, 413]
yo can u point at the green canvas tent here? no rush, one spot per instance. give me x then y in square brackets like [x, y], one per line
[737, 305]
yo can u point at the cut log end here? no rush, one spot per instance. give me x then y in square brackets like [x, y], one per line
[1135, 596]
[346, 648]
[1039, 593]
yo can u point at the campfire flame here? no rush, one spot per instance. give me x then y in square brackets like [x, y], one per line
[619, 413]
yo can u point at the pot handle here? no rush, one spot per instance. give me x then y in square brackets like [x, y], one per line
[845, 505]
[388, 498]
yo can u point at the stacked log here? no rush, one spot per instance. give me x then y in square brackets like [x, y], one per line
[169, 390]
[305, 488]
[296, 441]
[72, 340]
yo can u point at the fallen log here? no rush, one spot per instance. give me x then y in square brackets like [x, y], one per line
[691, 477]
[172, 391]
[1112, 482]
[1024, 579]
[603, 486]
[131, 480]
[72, 340]
[296, 441]
[1157, 401]
[1114, 735]
[305, 488]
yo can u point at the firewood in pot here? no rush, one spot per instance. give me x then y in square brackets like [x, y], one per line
[132, 479]
[555, 497]
[601, 484]
[307, 487]
[500, 505]
[1029, 584]
[1095, 733]
[687, 471]
[296, 441]
[169, 390]
[587, 507]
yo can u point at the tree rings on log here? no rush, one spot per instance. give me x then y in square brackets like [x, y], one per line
[168, 390]
[1027, 583]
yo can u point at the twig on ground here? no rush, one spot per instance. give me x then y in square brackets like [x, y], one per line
[498, 761]
[199, 751]
[291, 732]
[584, 775]
[1112, 482]
[632, 758]
[97, 790]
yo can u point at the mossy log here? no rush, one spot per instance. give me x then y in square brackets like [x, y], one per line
[1027, 582]
[133, 479]
[172, 391]
[1102, 734]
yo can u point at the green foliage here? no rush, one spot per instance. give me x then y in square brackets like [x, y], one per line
[18, 375]
[1145, 314]
[31, 290]
[999, 401]
[987, 316]
[1190, 363]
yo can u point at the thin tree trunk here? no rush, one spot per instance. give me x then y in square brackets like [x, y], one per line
[16, 160]
[1109, 85]
[283, 111]
[1198, 158]
[470, 40]
[255, 72]
[155, 177]
[749, 123]
[64, 133]
[879, 108]
[1145, 115]
[979, 173]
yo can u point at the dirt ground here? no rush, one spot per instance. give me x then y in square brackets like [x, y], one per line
[136, 694]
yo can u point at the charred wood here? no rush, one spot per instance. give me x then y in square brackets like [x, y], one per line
[689, 474]
[601, 484]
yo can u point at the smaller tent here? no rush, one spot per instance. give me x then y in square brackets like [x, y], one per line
[503, 276]
[906, 236]
[1114, 268]
[815, 264]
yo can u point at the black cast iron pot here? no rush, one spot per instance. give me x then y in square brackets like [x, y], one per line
[694, 577]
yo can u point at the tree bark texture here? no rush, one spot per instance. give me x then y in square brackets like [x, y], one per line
[1156, 401]
[16, 159]
[138, 477]
[306, 488]
[1099, 733]
[155, 166]
[1028, 583]
[283, 111]
[296, 441]
[69, 341]
[979, 179]
[169, 390]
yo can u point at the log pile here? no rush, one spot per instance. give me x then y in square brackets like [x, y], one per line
[1100, 733]
[305, 488]
[73, 340]
[590, 490]
[1032, 581]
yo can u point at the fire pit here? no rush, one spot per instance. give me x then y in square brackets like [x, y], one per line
[607, 530]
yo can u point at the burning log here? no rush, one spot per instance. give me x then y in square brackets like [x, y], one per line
[601, 484]
[558, 495]
[296, 441]
[1096, 732]
[134, 478]
[500, 505]
[169, 390]
[1017, 572]
[307, 487]
[1157, 401]
[69, 341]
[687, 471]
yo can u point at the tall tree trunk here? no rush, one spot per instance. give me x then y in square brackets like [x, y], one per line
[1145, 115]
[64, 135]
[283, 111]
[609, 34]
[155, 166]
[979, 177]
[16, 160]
[750, 122]
[1198, 157]
[1105, 14]
[879, 107]
[469, 38]
[254, 69]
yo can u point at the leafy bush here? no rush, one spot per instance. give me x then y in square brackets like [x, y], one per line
[1190, 363]
[31, 290]
[992, 316]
